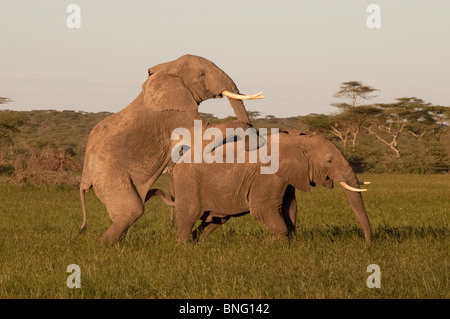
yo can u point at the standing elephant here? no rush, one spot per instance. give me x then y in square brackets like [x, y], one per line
[214, 192]
[127, 151]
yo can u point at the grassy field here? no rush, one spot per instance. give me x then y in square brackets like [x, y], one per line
[410, 217]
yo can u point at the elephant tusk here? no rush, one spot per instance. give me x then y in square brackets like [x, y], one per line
[346, 186]
[364, 183]
[235, 96]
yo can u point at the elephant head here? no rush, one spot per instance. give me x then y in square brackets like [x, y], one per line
[308, 160]
[184, 83]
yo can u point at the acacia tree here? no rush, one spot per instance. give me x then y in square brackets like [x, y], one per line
[355, 91]
[340, 127]
[319, 123]
[353, 117]
[441, 118]
[252, 115]
[4, 100]
[408, 115]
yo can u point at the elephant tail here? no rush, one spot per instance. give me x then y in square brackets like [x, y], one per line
[83, 206]
[168, 201]
[172, 212]
[161, 194]
[172, 194]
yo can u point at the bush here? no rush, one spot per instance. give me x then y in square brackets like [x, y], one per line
[48, 166]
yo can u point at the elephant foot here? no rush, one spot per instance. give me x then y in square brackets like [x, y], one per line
[185, 240]
[113, 235]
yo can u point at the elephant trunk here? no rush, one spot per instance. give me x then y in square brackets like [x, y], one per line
[237, 105]
[357, 204]
[226, 84]
[239, 110]
[355, 200]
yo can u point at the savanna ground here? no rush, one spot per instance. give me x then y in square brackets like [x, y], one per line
[410, 217]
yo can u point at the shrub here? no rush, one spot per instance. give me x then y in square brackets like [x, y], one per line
[48, 166]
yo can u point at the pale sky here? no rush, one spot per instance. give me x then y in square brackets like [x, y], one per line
[296, 52]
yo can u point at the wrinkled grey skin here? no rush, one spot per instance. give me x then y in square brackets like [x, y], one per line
[215, 192]
[127, 151]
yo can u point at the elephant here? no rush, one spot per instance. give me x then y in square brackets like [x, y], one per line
[215, 192]
[127, 151]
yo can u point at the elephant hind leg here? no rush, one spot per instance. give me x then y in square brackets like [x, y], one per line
[289, 210]
[207, 227]
[124, 207]
[273, 219]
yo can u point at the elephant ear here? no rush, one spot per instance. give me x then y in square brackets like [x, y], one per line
[165, 91]
[293, 164]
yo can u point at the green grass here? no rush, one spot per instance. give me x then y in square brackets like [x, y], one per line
[410, 217]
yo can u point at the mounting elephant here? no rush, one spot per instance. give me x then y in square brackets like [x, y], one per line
[215, 192]
[127, 151]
